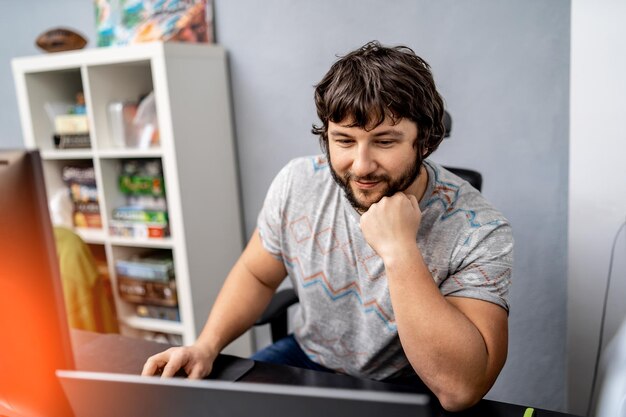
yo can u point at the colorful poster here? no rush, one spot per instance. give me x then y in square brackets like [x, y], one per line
[123, 22]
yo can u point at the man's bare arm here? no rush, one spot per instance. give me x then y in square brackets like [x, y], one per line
[456, 345]
[246, 292]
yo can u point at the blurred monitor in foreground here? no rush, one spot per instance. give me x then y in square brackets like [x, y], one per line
[35, 336]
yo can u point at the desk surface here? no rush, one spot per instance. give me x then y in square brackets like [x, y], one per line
[119, 354]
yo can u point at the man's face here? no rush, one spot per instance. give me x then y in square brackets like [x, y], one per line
[370, 165]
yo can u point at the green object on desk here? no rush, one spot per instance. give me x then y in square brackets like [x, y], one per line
[530, 412]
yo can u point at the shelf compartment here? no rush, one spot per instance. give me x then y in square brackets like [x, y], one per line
[141, 205]
[53, 88]
[63, 207]
[126, 82]
[145, 278]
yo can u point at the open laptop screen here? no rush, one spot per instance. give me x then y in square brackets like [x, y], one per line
[105, 395]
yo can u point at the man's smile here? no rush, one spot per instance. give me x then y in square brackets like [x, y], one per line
[365, 185]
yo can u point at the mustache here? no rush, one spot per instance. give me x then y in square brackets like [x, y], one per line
[348, 176]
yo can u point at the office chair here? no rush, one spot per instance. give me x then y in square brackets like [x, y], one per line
[276, 312]
[469, 175]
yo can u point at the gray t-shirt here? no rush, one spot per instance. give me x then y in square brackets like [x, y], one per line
[346, 320]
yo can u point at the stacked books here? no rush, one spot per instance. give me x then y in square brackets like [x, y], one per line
[81, 182]
[136, 221]
[145, 215]
[156, 268]
[149, 283]
[71, 130]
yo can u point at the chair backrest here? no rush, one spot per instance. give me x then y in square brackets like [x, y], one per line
[469, 175]
[447, 123]
[473, 177]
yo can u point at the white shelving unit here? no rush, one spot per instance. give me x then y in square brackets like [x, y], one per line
[196, 150]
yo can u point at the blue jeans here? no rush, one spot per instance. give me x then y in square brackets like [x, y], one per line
[286, 351]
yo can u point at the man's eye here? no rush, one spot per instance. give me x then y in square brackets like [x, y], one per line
[344, 142]
[385, 143]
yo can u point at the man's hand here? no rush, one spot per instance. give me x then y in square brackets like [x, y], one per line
[391, 222]
[245, 294]
[196, 362]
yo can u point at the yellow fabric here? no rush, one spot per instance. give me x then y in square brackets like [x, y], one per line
[86, 301]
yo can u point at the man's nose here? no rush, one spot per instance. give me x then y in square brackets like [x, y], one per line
[363, 163]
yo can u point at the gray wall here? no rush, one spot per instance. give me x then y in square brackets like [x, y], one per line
[20, 24]
[503, 69]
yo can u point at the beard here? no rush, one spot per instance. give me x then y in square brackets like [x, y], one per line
[393, 185]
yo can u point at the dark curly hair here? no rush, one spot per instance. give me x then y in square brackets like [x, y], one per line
[375, 82]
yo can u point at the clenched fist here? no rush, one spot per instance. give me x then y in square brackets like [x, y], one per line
[391, 223]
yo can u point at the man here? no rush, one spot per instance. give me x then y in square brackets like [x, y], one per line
[402, 268]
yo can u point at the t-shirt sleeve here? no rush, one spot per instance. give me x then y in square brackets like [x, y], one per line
[482, 268]
[270, 220]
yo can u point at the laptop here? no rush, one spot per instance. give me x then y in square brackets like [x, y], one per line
[95, 394]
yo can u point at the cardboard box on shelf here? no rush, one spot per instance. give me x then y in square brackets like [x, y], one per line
[147, 292]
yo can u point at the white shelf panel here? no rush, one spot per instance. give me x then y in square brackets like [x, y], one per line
[165, 243]
[69, 60]
[96, 236]
[154, 325]
[67, 154]
[129, 153]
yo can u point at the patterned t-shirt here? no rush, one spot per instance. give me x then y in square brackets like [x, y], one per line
[346, 321]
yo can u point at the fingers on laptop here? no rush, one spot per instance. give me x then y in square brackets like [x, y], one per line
[178, 358]
[176, 362]
[156, 363]
[197, 373]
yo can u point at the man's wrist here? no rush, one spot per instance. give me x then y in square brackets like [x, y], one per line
[402, 257]
[210, 349]
[400, 254]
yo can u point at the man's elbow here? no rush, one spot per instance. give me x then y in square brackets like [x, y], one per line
[456, 393]
[459, 399]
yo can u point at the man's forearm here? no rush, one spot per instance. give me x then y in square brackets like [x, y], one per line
[444, 347]
[240, 302]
